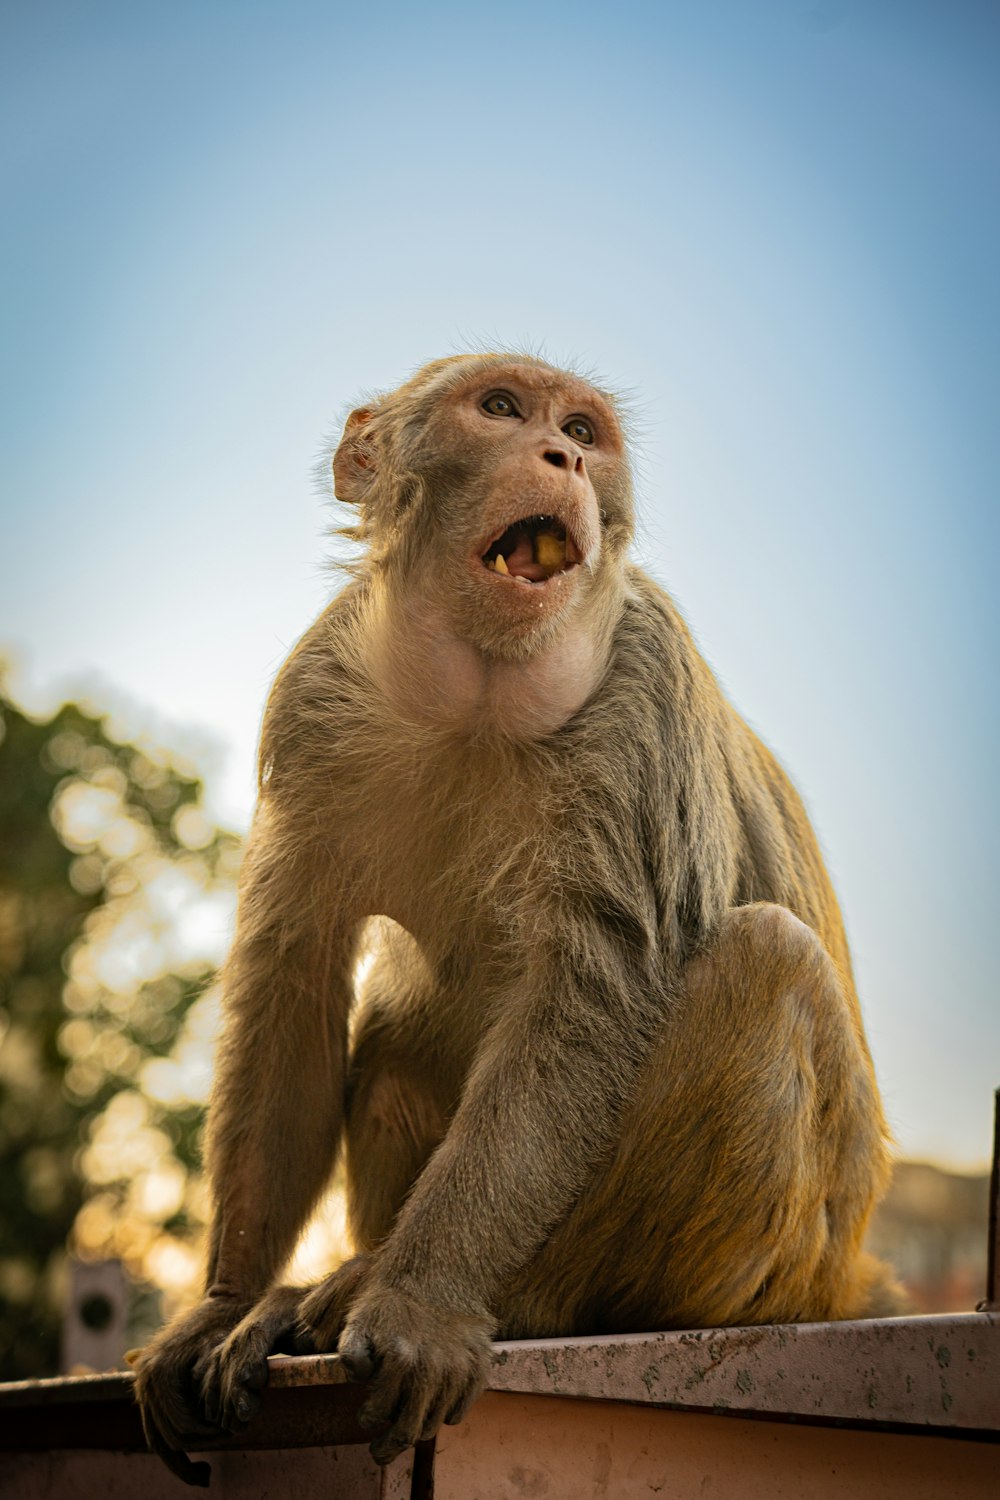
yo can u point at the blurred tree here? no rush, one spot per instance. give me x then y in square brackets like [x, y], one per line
[114, 897]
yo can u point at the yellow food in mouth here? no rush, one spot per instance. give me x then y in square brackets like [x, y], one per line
[550, 551]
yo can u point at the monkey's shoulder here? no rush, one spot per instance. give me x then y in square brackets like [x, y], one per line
[656, 662]
[320, 685]
[661, 685]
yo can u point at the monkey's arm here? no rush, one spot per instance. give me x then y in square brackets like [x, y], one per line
[277, 1106]
[540, 1106]
[274, 1123]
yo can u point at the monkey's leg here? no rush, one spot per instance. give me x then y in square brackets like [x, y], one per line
[395, 1118]
[747, 1162]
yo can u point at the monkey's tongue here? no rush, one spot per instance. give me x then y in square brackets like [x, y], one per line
[521, 561]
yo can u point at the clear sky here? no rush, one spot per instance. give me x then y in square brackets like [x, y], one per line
[775, 224]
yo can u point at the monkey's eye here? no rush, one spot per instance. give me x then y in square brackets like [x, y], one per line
[580, 430]
[499, 404]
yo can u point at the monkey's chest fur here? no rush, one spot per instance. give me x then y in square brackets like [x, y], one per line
[448, 819]
[446, 836]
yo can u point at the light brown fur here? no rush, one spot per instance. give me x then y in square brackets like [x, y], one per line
[608, 1071]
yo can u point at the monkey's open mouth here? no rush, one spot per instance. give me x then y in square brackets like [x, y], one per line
[533, 549]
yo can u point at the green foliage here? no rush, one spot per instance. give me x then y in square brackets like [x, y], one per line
[103, 849]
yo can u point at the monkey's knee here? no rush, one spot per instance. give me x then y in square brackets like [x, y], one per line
[762, 961]
[766, 931]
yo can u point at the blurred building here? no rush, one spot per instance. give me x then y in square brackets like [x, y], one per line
[932, 1227]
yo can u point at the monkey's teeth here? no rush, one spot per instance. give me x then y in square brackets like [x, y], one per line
[501, 566]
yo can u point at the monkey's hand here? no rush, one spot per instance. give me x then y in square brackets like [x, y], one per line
[323, 1311]
[168, 1377]
[426, 1364]
[234, 1376]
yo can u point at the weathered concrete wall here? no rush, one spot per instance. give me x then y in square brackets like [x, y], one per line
[905, 1407]
[554, 1448]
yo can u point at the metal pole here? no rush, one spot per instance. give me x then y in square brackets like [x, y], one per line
[992, 1303]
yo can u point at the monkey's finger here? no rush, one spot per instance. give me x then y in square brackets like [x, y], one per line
[214, 1411]
[386, 1400]
[170, 1431]
[161, 1440]
[211, 1395]
[270, 1324]
[215, 1397]
[409, 1419]
[440, 1410]
[326, 1309]
[461, 1406]
[244, 1387]
[173, 1420]
[387, 1447]
[196, 1474]
[245, 1404]
[254, 1372]
[204, 1410]
[357, 1354]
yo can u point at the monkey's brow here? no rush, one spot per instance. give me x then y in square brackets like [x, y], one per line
[578, 392]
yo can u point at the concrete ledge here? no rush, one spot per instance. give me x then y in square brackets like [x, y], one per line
[941, 1373]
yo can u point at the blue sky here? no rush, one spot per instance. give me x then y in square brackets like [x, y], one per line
[776, 225]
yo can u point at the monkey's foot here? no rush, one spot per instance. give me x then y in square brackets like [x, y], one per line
[426, 1365]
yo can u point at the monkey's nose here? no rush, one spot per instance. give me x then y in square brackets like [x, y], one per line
[559, 458]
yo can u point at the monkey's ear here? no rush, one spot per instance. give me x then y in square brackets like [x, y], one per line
[354, 460]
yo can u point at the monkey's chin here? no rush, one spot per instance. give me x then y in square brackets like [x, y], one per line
[511, 618]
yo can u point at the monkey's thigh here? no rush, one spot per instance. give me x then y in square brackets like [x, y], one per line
[395, 1117]
[746, 1162]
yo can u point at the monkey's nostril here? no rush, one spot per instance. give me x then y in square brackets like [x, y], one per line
[556, 457]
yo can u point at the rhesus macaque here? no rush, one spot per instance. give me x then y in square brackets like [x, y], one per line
[606, 1068]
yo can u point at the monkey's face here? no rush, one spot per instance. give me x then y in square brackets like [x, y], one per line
[518, 498]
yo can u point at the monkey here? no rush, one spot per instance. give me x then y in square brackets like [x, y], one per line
[605, 1069]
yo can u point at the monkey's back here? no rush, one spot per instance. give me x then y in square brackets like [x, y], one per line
[732, 793]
